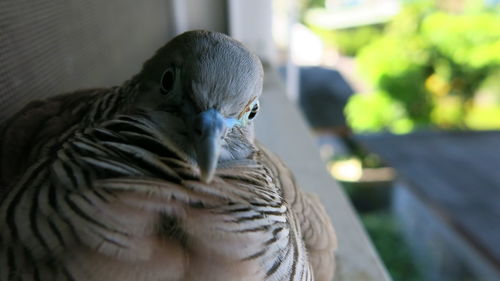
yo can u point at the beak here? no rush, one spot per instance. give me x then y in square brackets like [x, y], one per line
[208, 129]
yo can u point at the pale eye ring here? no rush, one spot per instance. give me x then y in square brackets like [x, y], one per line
[248, 114]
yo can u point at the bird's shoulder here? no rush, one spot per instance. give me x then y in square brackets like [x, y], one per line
[278, 170]
[316, 229]
[22, 135]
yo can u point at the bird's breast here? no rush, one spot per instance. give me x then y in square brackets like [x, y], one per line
[182, 243]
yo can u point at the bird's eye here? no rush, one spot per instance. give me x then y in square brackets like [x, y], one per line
[254, 111]
[248, 113]
[167, 81]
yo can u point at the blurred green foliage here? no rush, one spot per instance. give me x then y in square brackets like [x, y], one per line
[372, 201]
[388, 240]
[305, 5]
[427, 67]
[377, 110]
[349, 41]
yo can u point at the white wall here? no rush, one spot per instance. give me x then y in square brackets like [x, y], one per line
[251, 23]
[200, 14]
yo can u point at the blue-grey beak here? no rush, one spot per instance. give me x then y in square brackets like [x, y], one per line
[208, 129]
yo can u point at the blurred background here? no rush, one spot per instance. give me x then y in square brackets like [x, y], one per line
[401, 97]
[387, 80]
[389, 67]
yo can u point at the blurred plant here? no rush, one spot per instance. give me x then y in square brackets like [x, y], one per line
[377, 110]
[391, 246]
[348, 41]
[427, 68]
[305, 5]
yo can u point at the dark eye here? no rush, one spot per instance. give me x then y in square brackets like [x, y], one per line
[253, 112]
[167, 81]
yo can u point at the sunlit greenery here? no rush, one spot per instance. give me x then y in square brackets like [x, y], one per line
[427, 68]
[305, 5]
[349, 41]
[377, 110]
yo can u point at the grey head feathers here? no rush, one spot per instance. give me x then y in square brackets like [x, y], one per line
[201, 88]
[216, 71]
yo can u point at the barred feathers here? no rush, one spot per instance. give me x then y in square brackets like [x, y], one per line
[104, 184]
[119, 201]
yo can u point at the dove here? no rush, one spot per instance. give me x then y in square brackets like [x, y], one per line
[159, 179]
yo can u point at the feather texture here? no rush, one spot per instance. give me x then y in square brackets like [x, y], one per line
[95, 188]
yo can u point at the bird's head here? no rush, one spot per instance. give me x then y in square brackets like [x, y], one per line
[202, 89]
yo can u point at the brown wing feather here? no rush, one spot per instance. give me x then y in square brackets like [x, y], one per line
[317, 230]
[22, 134]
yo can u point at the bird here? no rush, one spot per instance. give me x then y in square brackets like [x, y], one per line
[160, 178]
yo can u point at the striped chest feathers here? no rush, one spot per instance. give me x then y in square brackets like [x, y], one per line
[109, 209]
[231, 243]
